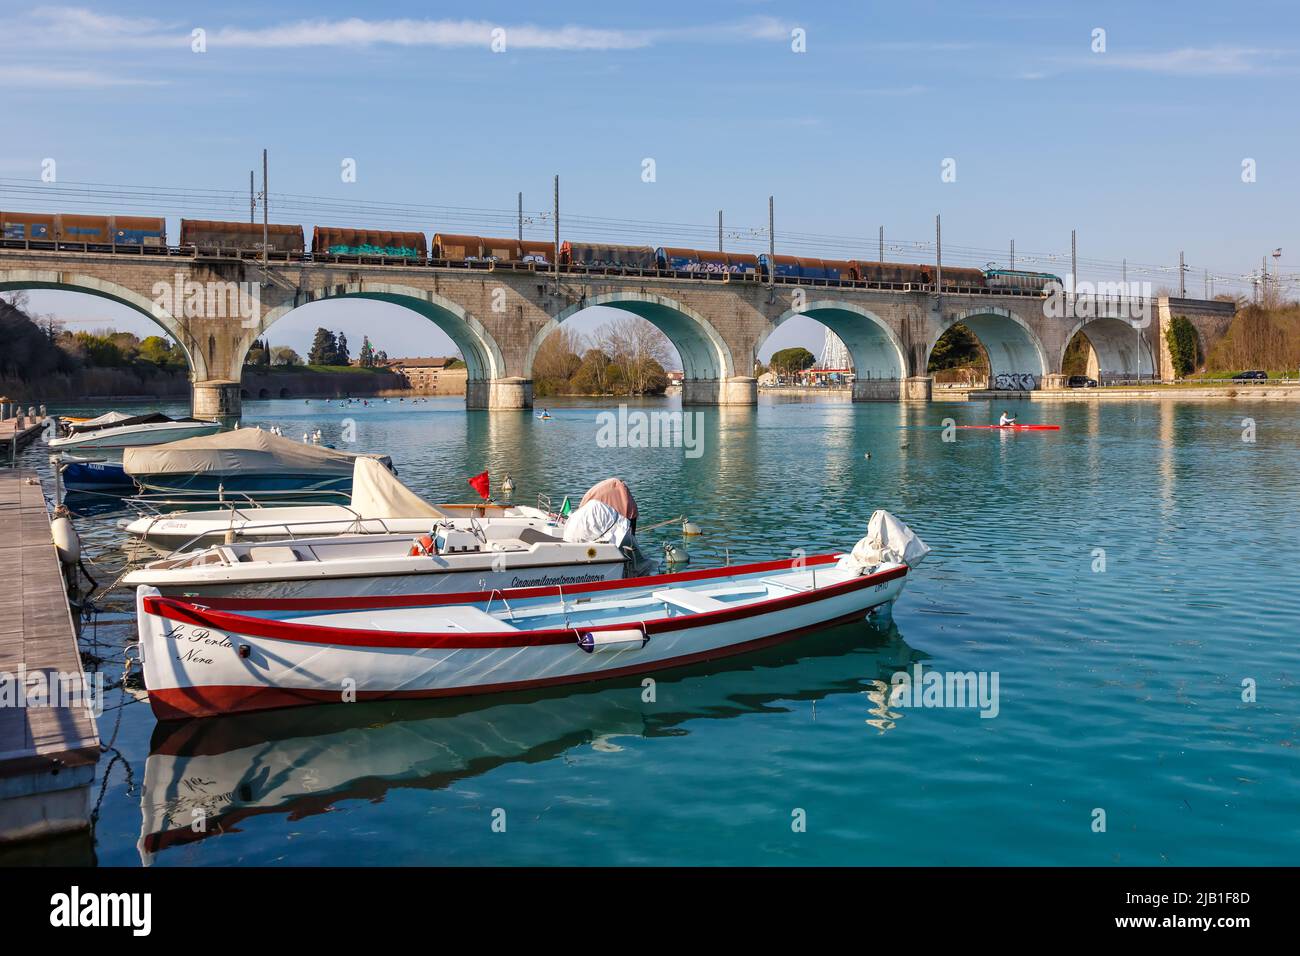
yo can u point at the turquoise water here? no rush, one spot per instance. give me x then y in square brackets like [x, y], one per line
[1120, 689]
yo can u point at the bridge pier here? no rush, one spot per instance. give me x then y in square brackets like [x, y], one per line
[918, 388]
[737, 390]
[876, 389]
[511, 393]
[215, 398]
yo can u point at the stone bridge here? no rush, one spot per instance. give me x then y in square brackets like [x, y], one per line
[499, 316]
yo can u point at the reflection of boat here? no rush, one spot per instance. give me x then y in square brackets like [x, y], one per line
[219, 655]
[301, 762]
[118, 431]
[378, 504]
[246, 461]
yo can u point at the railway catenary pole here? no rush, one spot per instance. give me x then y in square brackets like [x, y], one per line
[1013, 255]
[1074, 262]
[556, 254]
[1182, 277]
[938, 256]
[771, 242]
[882, 245]
[719, 230]
[266, 221]
[521, 217]
[252, 199]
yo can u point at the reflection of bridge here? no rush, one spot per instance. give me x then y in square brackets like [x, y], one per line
[498, 317]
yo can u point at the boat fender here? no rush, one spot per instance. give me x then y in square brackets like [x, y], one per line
[622, 639]
[423, 545]
[66, 542]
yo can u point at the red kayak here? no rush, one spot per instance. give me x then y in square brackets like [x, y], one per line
[1022, 428]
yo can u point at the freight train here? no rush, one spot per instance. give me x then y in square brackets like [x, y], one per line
[335, 244]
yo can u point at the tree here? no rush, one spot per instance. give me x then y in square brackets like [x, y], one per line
[957, 348]
[1181, 338]
[283, 355]
[596, 374]
[26, 353]
[341, 356]
[160, 351]
[323, 348]
[557, 361]
[792, 360]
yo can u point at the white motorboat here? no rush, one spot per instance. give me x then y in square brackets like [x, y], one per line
[115, 432]
[216, 656]
[446, 559]
[379, 503]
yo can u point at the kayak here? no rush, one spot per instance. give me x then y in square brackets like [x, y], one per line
[1018, 428]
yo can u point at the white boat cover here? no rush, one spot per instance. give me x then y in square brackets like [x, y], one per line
[596, 522]
[106, 419]
[378, 493]
[888, 539]
[247, 451]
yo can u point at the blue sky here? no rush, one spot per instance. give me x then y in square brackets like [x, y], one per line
[1139, 147]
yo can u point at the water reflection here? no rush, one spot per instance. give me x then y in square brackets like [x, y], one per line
[203, 777]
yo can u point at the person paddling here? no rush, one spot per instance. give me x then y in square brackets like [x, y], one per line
[1006, 420]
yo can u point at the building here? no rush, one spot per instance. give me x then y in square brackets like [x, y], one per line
[432, 375]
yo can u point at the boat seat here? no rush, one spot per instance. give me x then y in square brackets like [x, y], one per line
[277, 553]
[686, 600]
[533, 536]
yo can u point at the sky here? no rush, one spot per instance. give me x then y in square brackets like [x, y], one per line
[849, 114]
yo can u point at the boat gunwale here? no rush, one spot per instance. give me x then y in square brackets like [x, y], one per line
[197, 614]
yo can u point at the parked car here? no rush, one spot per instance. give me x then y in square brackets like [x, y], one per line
[1252, 374]
[1080, 381]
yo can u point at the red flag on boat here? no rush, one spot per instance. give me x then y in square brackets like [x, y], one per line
[481, 484]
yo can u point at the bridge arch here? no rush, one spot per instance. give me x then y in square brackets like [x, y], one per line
[876, 349]
[16, 279]
[1121, 350]
[704, 355]
[1011, 345]
[482, 356]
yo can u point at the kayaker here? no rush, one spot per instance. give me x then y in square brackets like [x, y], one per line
[1006, 420]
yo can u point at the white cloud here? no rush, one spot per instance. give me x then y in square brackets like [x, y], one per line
[54, 78]
[1194, 61]
[438, 33]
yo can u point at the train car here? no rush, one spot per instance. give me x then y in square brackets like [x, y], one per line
[702, 260]
[894, 272]
[962, 277]
[245, 237]
[457, 248]
[801, 267]
[93, 230]
[539, 253]
[1017, 279]
[368, 243]
[593, 255]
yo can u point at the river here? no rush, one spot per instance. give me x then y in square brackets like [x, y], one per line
[1130, 581]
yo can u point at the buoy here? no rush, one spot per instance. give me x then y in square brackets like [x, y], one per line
[66, 542]
[867, 456]
[675, 555]
[508, 486]
[690, 527]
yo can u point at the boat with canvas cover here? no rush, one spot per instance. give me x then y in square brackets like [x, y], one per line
[215, 656]
[116, 431]
[595, 545]
[245, 462]
[379, 503]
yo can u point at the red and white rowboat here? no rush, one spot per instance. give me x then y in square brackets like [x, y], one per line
[207, 656]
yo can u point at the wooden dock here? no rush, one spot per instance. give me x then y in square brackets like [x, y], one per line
[13, 438]
[47, 752]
